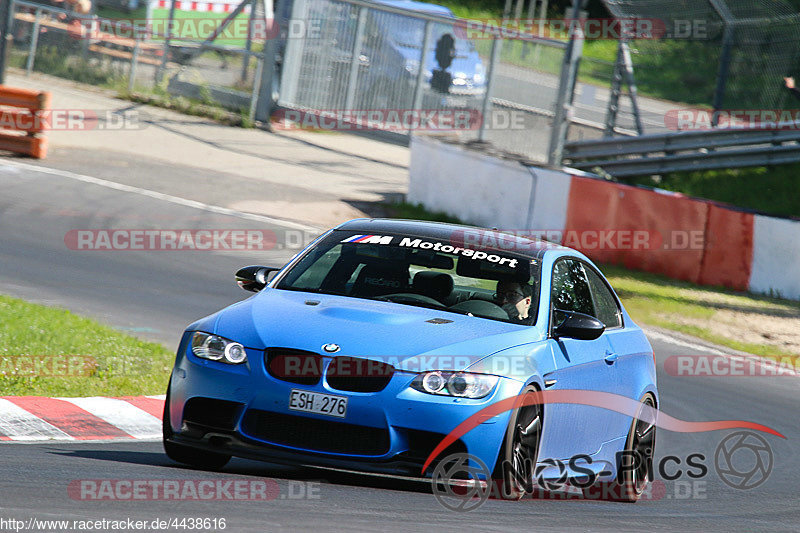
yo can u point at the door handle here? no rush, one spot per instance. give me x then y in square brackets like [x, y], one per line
[610, 357]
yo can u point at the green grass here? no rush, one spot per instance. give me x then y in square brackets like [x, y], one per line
[99, 360]
[772, 190]
[660, 301]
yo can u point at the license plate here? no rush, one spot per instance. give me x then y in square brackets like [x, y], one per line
[316, 402]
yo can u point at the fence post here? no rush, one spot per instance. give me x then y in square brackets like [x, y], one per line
[728, 19]
[722, 73]
[420, 82]
[256, 86]
[167, 39]
[487, 97]
[34, 43]
[249, 44]
[566, 88]
[6, 39]
[352, 80]
[134, 61]
[266, 77]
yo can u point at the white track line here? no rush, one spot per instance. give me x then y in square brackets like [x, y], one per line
[161, 196]
[679, 342]
[119, 413]
[770, 364]
[18, 424]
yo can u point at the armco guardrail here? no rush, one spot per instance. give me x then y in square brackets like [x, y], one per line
[696, 150]
[25, 110]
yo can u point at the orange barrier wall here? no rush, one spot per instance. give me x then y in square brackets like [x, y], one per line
[26, 136]
[679, 237]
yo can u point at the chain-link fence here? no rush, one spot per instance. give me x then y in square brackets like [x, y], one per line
[380, 66]
[207, 58]
[729, 54]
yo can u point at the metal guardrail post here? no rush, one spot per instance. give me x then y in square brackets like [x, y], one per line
[352, 79]
[34, 43]
[420, 82]
[490, 75]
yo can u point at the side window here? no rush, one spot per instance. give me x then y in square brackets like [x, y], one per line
[570, 289]
[608, 311]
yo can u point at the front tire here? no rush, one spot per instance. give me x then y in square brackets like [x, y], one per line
[520, 446]
[186, 455]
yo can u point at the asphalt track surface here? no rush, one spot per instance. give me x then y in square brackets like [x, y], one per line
[155, 294]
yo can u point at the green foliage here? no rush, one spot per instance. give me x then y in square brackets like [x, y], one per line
[772, 190]
[113, 364]
[52, 60]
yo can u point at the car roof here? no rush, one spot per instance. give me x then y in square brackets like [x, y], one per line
[417, 6]
[445, 231]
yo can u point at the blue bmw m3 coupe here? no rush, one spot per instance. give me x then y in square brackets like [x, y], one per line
[382, 337]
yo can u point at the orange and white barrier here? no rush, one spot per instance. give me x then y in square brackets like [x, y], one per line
[667, 233]
[21, 130]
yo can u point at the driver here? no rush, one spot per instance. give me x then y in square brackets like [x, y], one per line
[515, 299]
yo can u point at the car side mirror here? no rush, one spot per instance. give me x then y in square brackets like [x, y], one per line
[577, 326]
[254, 278]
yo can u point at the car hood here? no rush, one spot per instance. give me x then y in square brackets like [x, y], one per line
[398, 334]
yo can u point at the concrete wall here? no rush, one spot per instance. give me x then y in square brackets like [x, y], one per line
[776, 257]
[485, 191]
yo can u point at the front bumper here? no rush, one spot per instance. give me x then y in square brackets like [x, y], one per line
[391, 431]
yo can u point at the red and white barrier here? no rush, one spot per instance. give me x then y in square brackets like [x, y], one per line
[734, 248]
[203, 7]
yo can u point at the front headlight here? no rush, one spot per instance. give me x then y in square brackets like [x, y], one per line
[216, 348]
[461, 384]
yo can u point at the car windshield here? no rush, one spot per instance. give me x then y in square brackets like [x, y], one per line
[410, 33]
[421, 272]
